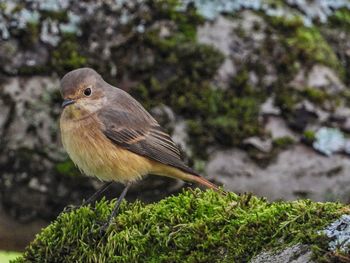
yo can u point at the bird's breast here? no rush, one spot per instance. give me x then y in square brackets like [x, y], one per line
[96, 155]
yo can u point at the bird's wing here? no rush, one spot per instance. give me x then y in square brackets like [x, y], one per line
[131, 127]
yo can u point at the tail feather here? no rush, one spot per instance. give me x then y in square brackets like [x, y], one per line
[188, 176]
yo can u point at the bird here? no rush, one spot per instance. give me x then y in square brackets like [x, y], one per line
[109, 135]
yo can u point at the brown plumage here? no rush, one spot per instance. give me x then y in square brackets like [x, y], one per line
[108, 134]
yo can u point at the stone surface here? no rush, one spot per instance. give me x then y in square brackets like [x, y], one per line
[294, 254]
[216, 33]
[297, 172]
[277, 127]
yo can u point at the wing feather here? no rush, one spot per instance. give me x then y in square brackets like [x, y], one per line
[134, 129]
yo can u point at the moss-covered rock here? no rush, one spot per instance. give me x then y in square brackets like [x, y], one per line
[194, 226]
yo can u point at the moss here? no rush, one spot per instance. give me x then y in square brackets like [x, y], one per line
[341, 18]
[286, 98]
[283, 142]
[31, 33]
[194, 226]
[304, 44]
[315, 95]
[59, 16]
[308, 137]
[67, 55]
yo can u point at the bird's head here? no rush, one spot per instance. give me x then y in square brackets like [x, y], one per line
[83, 91]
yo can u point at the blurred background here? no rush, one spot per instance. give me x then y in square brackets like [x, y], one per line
[255, 93]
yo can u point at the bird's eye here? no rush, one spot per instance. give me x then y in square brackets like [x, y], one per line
[87, 92]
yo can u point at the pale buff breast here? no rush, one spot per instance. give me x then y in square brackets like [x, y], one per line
[96, 155]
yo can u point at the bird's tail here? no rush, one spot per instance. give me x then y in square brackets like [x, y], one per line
[200, 180]
[188, 177]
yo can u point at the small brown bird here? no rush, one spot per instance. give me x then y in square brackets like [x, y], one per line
[108, 134]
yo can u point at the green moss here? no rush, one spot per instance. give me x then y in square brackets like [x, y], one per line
[309, 137]
[67, 55]
[315, 95]
[60, 16]
[194, 226]
[303, 44]
[30, 35]
[341, 18]
[286, 98]
[283, 142]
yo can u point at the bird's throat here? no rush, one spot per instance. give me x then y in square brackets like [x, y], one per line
[75, 113]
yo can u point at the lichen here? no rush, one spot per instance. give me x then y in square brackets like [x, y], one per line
[194, 226]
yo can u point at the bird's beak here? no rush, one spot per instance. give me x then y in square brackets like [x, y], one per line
[67, 102]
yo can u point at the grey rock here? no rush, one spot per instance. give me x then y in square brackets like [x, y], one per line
[222, 33]
[264, 145]
[294, 254]
[296, 172]
[268, 107]
[322, 76]
[164, 115]
[318, 77]
[180, 137]
[216, 34]
[277, 127]
[177, 128]
[341, 117]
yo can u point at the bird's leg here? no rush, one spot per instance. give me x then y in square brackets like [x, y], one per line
[92, 198]
[116, 207]
[97, 193]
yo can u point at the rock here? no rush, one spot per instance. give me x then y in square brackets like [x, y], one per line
[318, 77]
[277, 128]
[260, 144]
[296, 172]
[180, 137]
[164, 115]
[236, 48]
[177, 128]
[216, 34]
[323, 77]
[342, 117]
[268, 107]
[33, 110]
[294, 254]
